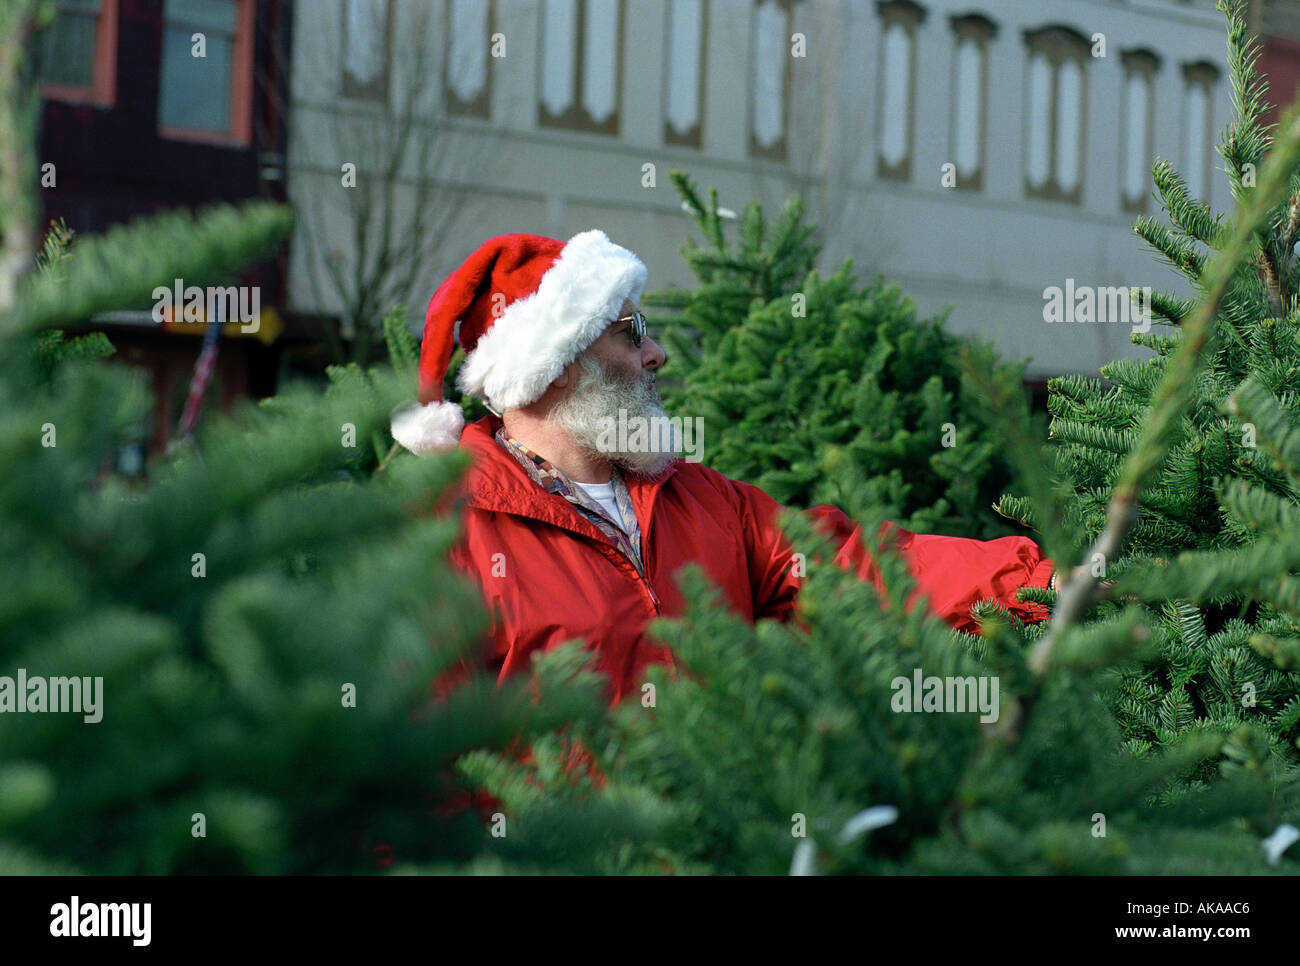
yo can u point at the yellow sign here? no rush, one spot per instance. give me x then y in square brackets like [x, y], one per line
[265, 327]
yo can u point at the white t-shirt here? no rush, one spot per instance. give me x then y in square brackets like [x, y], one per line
[603, 493]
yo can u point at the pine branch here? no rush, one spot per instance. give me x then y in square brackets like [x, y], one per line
[55, 248]
[1173, 392]
[1194, 217]
[1171, 308]
[1093, 436]
[1258, 511]
[121, 269]
[1161, 345]
[1277, 431]
[1250, 137]
[403, 350]
[706, 217]
[1178, 253]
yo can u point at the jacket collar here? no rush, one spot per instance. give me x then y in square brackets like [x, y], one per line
[497, 482]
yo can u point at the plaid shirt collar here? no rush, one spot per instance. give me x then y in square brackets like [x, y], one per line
[547, 476]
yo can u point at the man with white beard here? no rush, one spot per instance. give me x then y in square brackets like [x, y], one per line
[608, 390]
[586, 416]
[567, 538]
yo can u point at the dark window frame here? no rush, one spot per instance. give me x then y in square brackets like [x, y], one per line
[102, 90]
[240, 128]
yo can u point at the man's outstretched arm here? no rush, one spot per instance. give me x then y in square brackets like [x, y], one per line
[953, 572]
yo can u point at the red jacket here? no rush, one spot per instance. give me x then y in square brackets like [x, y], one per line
[548, 575]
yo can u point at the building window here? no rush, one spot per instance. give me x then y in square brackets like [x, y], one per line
[77, 52]
[684, 71]
[1199, 79]
[367, 32]
[466, 85]
[205, 91]
[580, 87]
[1140, 68]
[769, 79]
[899, 20]
[972, 35]
[1057, 107]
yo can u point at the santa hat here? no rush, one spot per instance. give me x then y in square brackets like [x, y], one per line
[527, 306]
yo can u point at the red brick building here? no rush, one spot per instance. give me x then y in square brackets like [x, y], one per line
[1277, 22]
[137, 117]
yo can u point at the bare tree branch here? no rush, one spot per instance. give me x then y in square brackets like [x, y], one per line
[18, 105]
[403, 206]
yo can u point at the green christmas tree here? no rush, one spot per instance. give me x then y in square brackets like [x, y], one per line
[240, 648]
[788, 747]
[1223, 499]
[818, 390]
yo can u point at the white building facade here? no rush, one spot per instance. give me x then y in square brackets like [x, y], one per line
[976, 152]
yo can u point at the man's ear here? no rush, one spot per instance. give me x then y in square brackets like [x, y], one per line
[563, 379]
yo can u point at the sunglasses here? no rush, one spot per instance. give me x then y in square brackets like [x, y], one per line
[638, 327]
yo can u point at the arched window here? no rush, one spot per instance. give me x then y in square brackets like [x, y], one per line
[579, 66]
[1199, 79]
[899, 22]
[684, 71]
[1138, 113]
[769, 79]
[367, 29]
[1056, 108]
[467, 80]
[971, 38]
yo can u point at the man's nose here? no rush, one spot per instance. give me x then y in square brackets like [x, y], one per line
[652, 354]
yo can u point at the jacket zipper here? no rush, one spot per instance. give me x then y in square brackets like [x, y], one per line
[616, 556]
[653, 596]
[645, 566]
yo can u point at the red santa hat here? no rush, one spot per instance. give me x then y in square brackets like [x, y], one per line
[527, 307]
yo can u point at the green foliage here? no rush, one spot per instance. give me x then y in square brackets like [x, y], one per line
[474, 409]
[774, 737]
[404, 360]
[225, 675]
[768, 264]
[120, 269]
[1128, 750]
[404, 356]
[52, 347]
[819, 391]
[403, 350]
[55, 247]
[263, 624]
[1215, 543]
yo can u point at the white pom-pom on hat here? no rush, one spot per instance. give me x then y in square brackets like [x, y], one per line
[431, 428]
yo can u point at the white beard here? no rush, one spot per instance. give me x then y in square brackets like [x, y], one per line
[585, 414]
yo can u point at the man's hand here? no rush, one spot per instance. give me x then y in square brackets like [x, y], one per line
[1104, 588]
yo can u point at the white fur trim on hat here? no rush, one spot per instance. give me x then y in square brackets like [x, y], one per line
[540, 334]
[429, 428]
